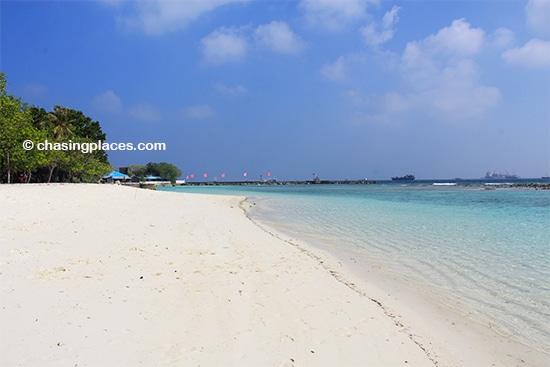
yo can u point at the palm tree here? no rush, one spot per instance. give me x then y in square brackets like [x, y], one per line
[63, 128]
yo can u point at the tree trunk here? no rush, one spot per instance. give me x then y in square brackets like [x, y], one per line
[9, 168]
[51, 173]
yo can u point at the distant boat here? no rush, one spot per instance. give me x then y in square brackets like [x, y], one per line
[545, 177]
[404, 178]
[499, 176]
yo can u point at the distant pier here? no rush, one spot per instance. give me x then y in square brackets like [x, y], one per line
[279, 183]
[473, 183]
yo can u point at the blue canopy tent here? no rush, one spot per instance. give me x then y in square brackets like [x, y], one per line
[114, 176]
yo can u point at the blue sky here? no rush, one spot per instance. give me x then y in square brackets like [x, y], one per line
[345, 89]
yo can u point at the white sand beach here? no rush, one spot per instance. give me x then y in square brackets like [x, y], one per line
[106, 275]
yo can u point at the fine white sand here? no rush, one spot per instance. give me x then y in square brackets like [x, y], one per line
[105, 275]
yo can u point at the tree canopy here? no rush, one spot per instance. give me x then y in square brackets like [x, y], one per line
[167, 171]
[20, 123]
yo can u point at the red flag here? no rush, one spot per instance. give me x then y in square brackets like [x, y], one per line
[205, 175]
[192, 175]
[223, 175]
[268, 174]
[187, 177]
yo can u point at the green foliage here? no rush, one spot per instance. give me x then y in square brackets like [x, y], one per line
[19, 122]
[165, 170]
[136, 170]
[14, 127]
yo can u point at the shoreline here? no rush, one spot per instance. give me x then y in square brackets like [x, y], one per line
[161, 279]
[445, 331]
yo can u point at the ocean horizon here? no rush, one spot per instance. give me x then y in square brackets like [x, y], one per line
[482, 251]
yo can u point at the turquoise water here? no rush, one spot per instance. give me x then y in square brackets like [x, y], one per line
[482, 251]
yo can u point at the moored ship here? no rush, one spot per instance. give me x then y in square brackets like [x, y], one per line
[408, 177]
[500, 176]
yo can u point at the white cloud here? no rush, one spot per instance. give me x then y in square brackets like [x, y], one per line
[157, 17]
[377, 33]
[456, 95]
[428, 57]
[458, 39]
[108, 102]
[224, 45]
[537, 13]
[425, 61]
[234, 91]
[334, 15]
[534, 54]
[337, 71]
[396, 103]
[443, 79]
[453, 103]
[343, 67]
[444, 76]
[278, 37]
[414, 57]
[145, 112]
[502, 38]
[200, 112]
[232, 44]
